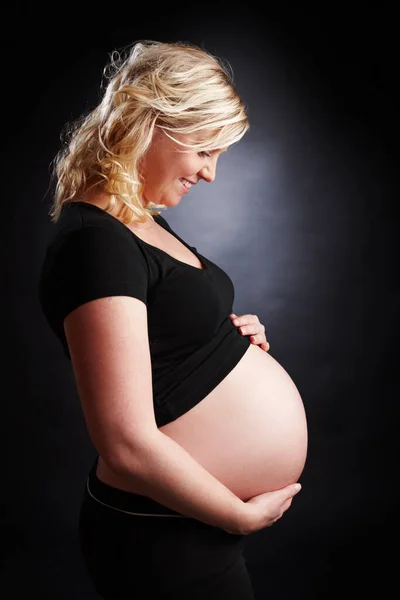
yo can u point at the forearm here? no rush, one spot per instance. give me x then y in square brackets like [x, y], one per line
[167, 473]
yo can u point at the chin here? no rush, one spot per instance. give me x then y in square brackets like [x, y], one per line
[172, 202]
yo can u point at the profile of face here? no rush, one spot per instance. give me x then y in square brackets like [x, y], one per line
[169, 173]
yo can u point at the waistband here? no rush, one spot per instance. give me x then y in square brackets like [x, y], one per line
[126, 502]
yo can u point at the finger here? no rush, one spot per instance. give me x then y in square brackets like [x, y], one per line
[287, 504]
[258, 337]
[272, 522]
[290, 491]
[236, 320]
[296, 488]
[260, 341]
[245, 319]
[251, 329]
[249, 319]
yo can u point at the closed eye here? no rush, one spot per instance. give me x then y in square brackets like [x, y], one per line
[204, 153]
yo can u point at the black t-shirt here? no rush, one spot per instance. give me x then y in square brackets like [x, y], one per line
[193, 343]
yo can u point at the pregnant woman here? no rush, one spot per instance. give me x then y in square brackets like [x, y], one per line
[200, 435]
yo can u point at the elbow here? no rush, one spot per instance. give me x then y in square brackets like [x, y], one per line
[131, 458]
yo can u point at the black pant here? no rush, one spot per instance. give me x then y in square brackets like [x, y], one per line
[133, 547]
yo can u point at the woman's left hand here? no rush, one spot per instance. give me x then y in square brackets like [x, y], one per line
[250, 325]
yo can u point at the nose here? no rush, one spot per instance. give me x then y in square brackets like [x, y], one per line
[208, 172]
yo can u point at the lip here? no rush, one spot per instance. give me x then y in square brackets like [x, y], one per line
[185, 189]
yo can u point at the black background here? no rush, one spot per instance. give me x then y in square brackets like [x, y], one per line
[336, 106]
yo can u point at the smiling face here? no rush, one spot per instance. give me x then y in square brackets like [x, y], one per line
[165, 168]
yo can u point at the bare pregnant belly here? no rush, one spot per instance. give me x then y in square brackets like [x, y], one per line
[250, 432]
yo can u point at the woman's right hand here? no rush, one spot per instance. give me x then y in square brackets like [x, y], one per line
[265, 509]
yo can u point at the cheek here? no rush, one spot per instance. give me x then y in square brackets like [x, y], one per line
[190, 166]
[157, 176]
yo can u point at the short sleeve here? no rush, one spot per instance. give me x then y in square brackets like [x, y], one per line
[89, 263]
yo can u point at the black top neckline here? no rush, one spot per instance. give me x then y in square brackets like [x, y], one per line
[158, 219]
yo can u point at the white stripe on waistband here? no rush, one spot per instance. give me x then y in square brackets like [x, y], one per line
[127, 511]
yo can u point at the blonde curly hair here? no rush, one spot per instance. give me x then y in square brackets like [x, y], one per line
[180, 88]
